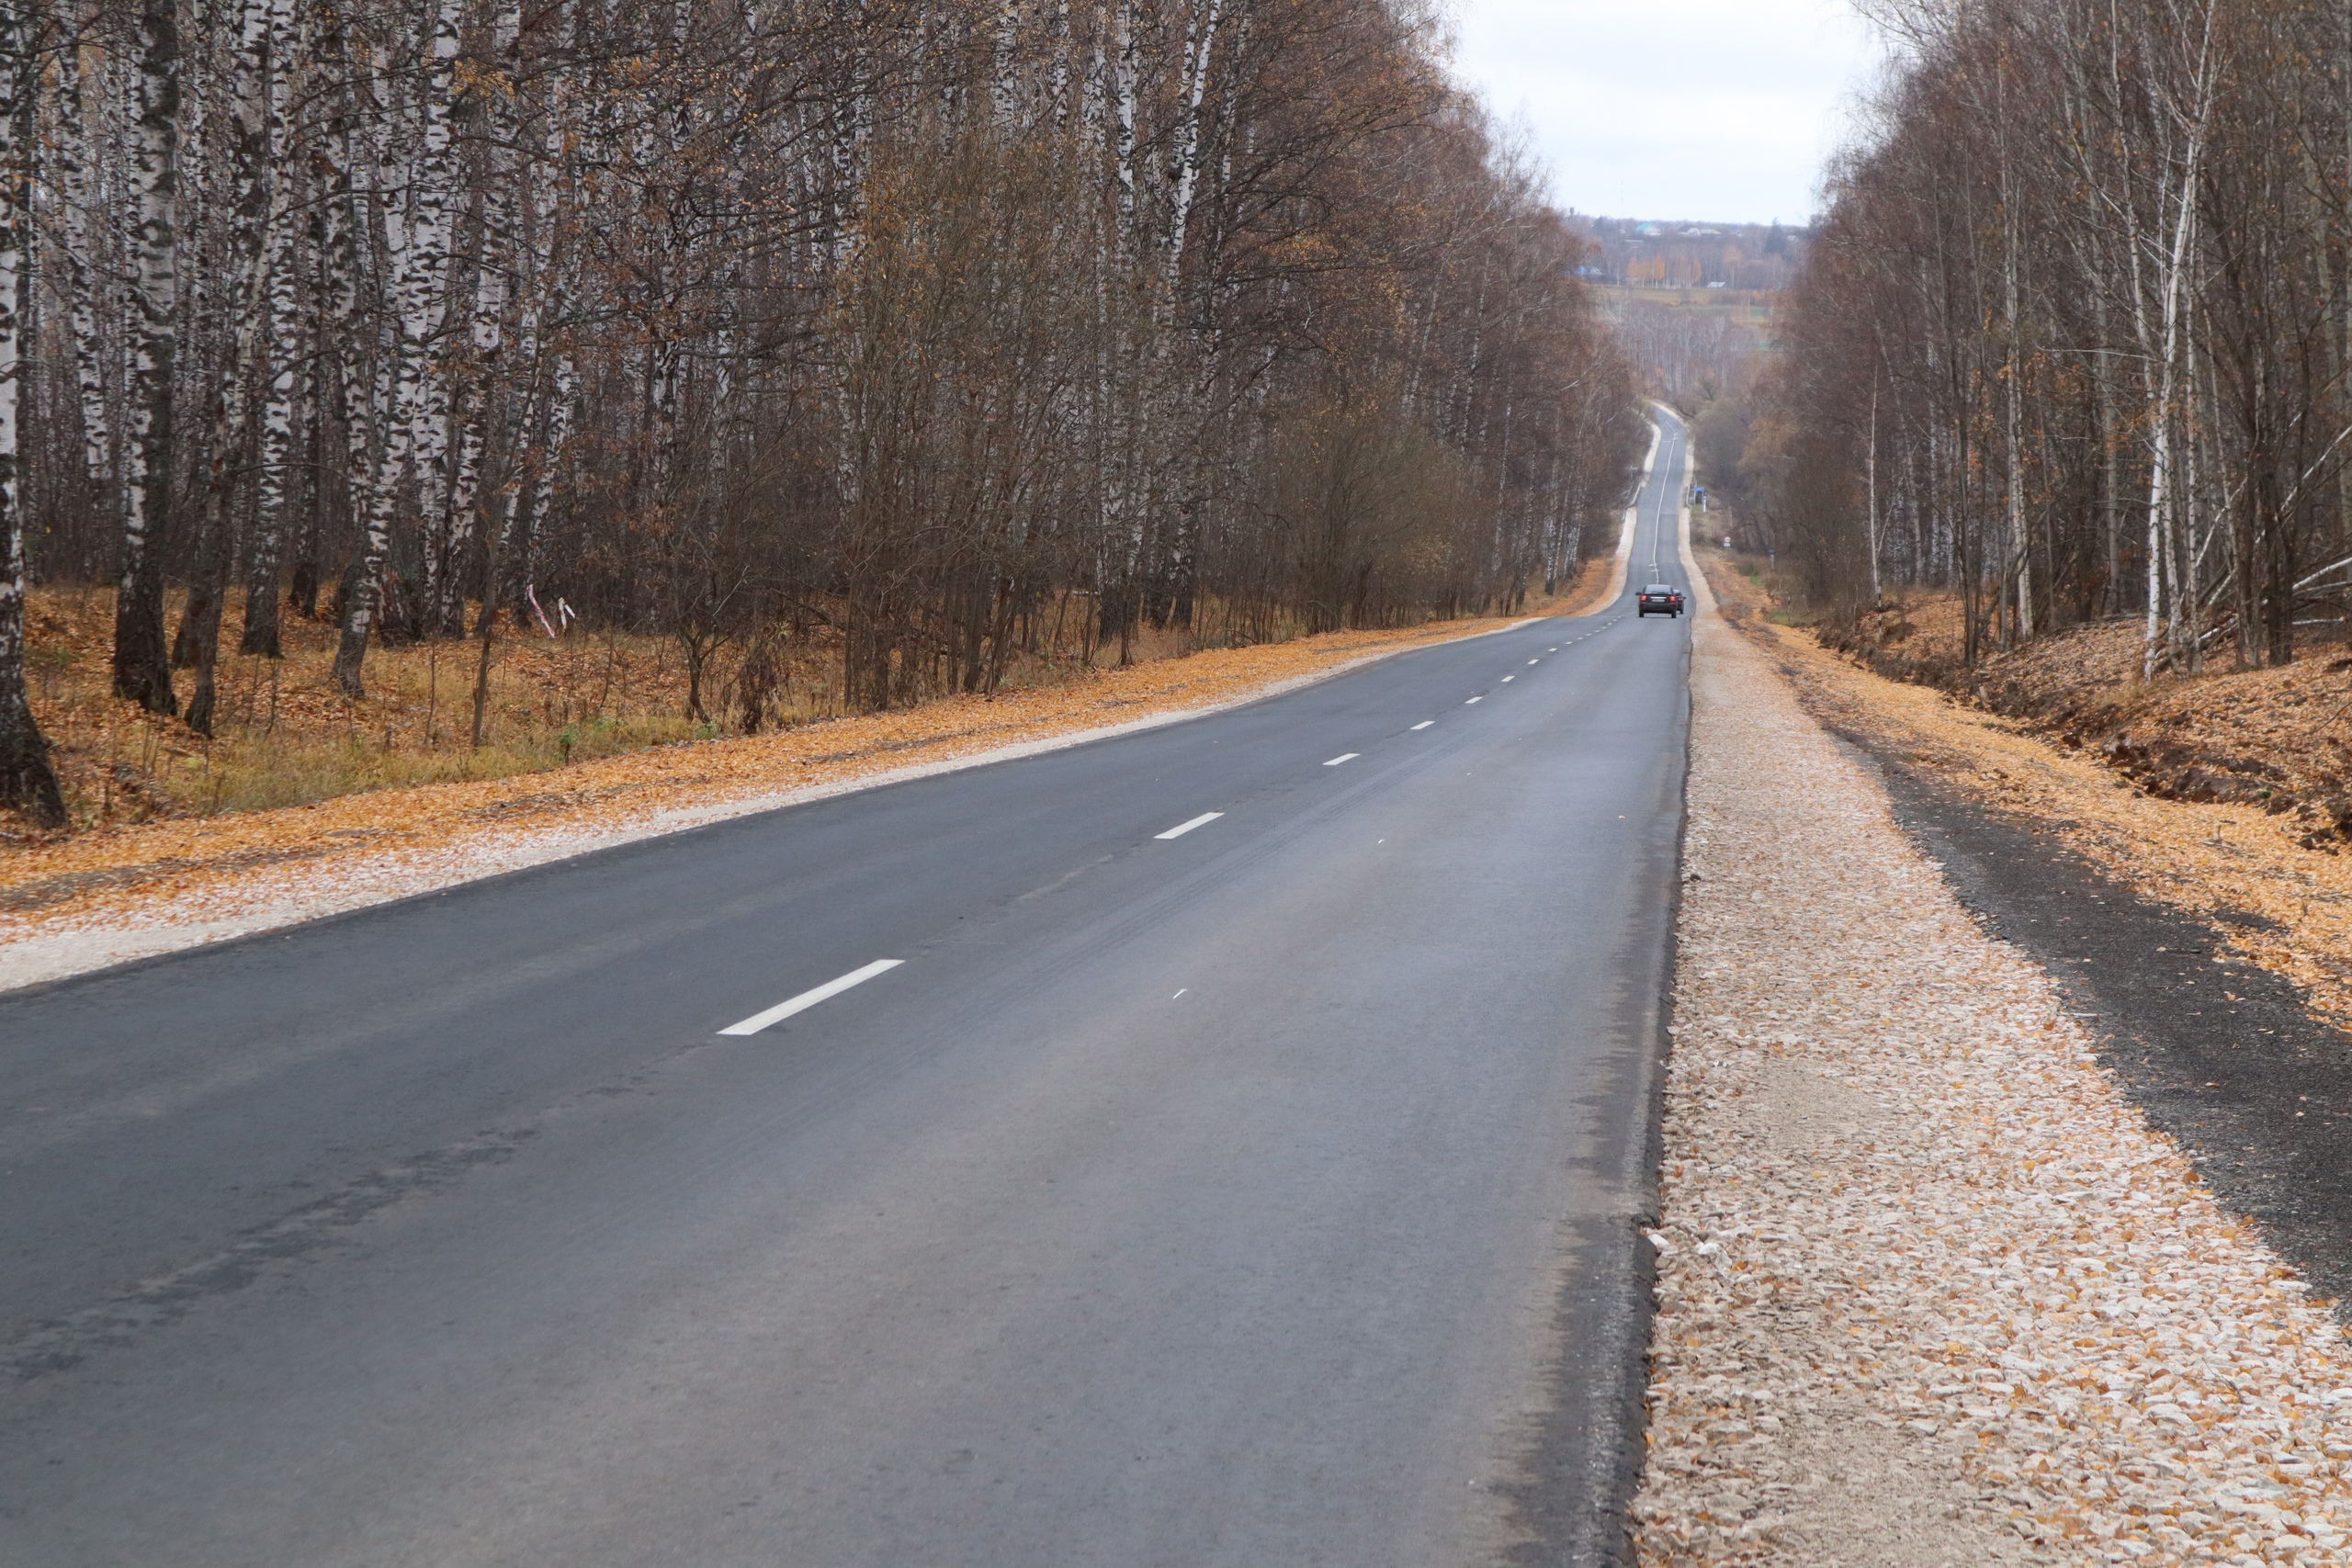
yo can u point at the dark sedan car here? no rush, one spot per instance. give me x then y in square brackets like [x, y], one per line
[1659, 599]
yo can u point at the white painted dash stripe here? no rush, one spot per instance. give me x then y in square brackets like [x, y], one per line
[1424, 724]
[1474, 700]
[807, 999]
[1508, 679]
[1343, 756]
[1177, 831]
[1535, 662]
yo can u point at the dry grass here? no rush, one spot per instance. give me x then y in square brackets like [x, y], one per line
[2277, 738]
[69, 903]
[1766, 591]
[286, 736]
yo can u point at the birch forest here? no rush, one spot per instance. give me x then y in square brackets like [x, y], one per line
[2073, 338]
[935, 332]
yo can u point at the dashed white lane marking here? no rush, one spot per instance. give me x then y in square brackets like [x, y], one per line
[1535, 662]
[1424, 724]
[1177, 831]
[1508, 679]
[807, 999]
[1343, 756]
[1474, 700]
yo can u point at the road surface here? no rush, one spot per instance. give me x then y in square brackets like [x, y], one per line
[1261, 1193]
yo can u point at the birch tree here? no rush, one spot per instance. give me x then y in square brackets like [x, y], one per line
[27, 782]
[420, 259]
[277, 314]
[142, 670]
[258, 210]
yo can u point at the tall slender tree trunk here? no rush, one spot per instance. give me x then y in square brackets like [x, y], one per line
[262, 565]
[258, 211]
[1200, 41]
[419, 265]
[27, 783]
[2020, 551]
[1869, 468]
[79, 188]
[344, 234]
[142, 669]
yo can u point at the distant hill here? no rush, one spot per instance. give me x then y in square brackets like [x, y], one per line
[1653, 254]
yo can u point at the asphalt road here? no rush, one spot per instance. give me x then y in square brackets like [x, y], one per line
[1261, 1195]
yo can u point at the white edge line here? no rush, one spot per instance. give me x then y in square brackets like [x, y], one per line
[1177, 831]
[1343, 756]
[810, 998]
[1424, 724]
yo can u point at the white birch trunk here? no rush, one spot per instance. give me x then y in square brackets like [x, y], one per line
[27, 783]
[425, 312]
[555, 261]
[141, 668]
[78, 186]
[2020, 544]
[492, 274]
[344, 232]
[1004, 87]
[256, 210]
[419, 268]
[1200, 41]
[2162, 512]
[1125, 89]
[1869, 470]
[1059, 82]
[2163, 518]
[261, 629]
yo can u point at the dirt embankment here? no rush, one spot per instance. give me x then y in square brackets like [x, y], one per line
[2277, 740]
[2263, 873]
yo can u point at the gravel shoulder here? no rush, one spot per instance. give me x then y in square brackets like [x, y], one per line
[1937, 1282]
[2219, 1053]
[2204, 942]
[2265, 894]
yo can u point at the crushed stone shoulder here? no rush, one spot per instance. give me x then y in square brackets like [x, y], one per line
[1931, 1287]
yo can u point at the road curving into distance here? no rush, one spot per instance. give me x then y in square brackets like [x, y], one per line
[1218, 1144]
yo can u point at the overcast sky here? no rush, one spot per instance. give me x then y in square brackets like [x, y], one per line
[1720, 110]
